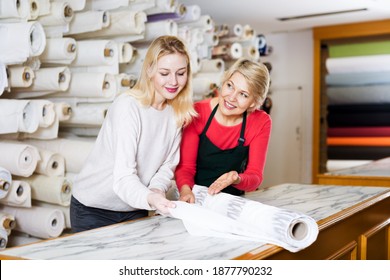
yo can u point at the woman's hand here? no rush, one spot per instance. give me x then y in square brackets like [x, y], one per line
[224, 181]
[160, 203]
[186, 194]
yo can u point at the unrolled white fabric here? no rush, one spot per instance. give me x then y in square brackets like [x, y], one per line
[18, 158]
[37, 221]
[64, 209]
[51, 164]
[88, 21]
[51, 189]
[18, 9]
[61, 13]
[20, 76]
[59, 51]
[368, 63]
[7, 222]
[31, 41]
[18, 116]
[19, 195]
[5, 182]
[227, 216]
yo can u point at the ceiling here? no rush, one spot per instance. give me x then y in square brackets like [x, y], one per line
[264, 15]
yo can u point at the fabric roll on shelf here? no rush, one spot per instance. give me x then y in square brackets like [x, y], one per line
[157, 28]
[228, 51]
[61, 13]
[46, 111]
[64, 209]
[372, 94]
[30, 42]
[51, 189]
[37, 221]
[47, 81]
[3, 78]
[77, 5]
[49, 132]
[96, 53]
[135, 66]
[358, 152]
[5, 182]
[7, 222]
[221, 30]
[19, 195]
[372, 119]
[63, 110]
[81, 131]
[367, 63]
[18, 158]
[105, 5]
[205, 23]
[358, 141]
[227, 216]
[125, 52]
[359, 49]
[59, 51]
[162, 6]
[358, 131]
[18, 116]
[14, 9]
[20, 238]
[51, 164]
[3, 239]
[88, 21]
[192, 13]
[87, 114]
[124, 82]
[212, 65]
[44, 7]
[20, 76]
[357, 78]
[335, 165]
[34, 9]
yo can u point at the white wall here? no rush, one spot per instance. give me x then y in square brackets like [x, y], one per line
[292, 71]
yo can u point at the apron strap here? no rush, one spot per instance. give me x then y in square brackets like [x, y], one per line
[210, 119]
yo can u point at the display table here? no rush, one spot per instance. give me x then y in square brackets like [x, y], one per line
[353, 223]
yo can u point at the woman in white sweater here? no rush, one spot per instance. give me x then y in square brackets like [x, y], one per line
[132, 163]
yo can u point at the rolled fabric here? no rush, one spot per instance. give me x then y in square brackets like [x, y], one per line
[44, 133]
[227, 216]
[88, 114]
[158, 28]
[60, 13]
[37, 221]
[59, 51]
[102, 5]
[31, 41]
[237, 30]
[34, 9]
[367, 63]
[124, 82]
[51, 164]
[3, 239]
[51, 189]
[81, 131]
[44, 7]
[5, 182]
[162, 6]
[212, 65]
[95, 53]
[18, 116]
[203, 86]
[19, 195]
[358, 78]
[134, 66]
[221, 30]
[228, 51]
[20, 76]
[47, 80]
[192, 13]
[371, 94]
[125, 52]
[3, 78]
[18, 158]
[18, 9]
[88, 21]
[64, 209]
[20, 238]
[205, 23]
[63, 111]
[248, 32]
[46, 111]
[77, 5]
[75, 151]
[33, 62]
[7, 222]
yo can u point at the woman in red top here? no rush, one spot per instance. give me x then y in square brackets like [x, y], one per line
[225, 147]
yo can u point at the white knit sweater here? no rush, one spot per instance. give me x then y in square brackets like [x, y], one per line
[137, 149]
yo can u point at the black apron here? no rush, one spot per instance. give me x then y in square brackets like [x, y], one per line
[212, 162]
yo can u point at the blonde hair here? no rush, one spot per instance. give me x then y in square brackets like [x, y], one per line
[144, 90]
[256, 75]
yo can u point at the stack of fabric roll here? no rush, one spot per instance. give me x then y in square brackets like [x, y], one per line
[358, 92]
[62, 63]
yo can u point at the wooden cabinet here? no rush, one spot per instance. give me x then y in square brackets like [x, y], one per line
[324, 36]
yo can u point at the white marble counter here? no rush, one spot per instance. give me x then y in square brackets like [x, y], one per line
[166, 238]
[375, 168]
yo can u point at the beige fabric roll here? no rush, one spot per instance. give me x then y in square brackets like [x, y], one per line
[51, 164]
[44, 7]
[81, 131]
[88, 114]
[7, 222]
[102, 5]
[19, 195]
[20, 76]
[96, 53]
[18, 116]
[33, 62]
[88, 21]
[64, 209]
[5, 182]
[202, 86]
[158, 28]
[51, 189]
[47, 80]
[37, 221]
[77, 5]
[163, 6]
[205, 23]
[192, 13]
[125, 52]
[63, 111]
[46, 111]
[228, 51]
[212, 65]
[135, 66]
[3, 239]
[14, 9]
[124, 82]
[75, 151]
[34, 9]
[60, 13]
[18, 158]
[59, 51]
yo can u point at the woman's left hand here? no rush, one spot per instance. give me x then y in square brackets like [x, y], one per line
[224, 181]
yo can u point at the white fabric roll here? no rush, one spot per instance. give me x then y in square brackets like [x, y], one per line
[64, 209]
[34, 9]
[77, 5]
[212, 65]
[238, 30]
[14, 9]
[95, 53]
[44, 7]
[31, 41]
[125, 52]
[20, 76]
[3, 77]
[20, 238]
[37, 221]
[228, 51]
[105, 5]
[75, 151]
[7, 222]
[3, 238]
[193, 13]
[46, 111]
[235, 217]
[158, 28]
[162, 6]
[44, 133]
[5, 182]
[60, 13]
[88, 21]
[135, 66]
[368, 63]
[205, 22]
[19, 195]
[51, 164]
[51, 189]
[59, 51]
[18, 116]
[88, 114]
[47, 80]
[92, 85]
[203, 85]
[18, 158]
[63, 111]
[124, 82]
[33, 62]
[81, 131]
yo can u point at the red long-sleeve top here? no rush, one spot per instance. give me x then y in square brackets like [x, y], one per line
[257, 134]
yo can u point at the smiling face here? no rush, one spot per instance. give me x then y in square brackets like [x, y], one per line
[235, 97]
[170, 77]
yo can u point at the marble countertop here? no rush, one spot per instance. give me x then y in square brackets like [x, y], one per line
[375, 168]
[161, 237]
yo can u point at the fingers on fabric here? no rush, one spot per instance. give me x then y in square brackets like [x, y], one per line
[190, 198]
[160, 203]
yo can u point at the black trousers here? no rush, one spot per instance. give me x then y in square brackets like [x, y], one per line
[85, 218]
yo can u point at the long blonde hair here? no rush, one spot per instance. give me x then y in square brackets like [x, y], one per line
[144, 90]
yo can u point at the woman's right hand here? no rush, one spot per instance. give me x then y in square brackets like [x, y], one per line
[186, 194]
